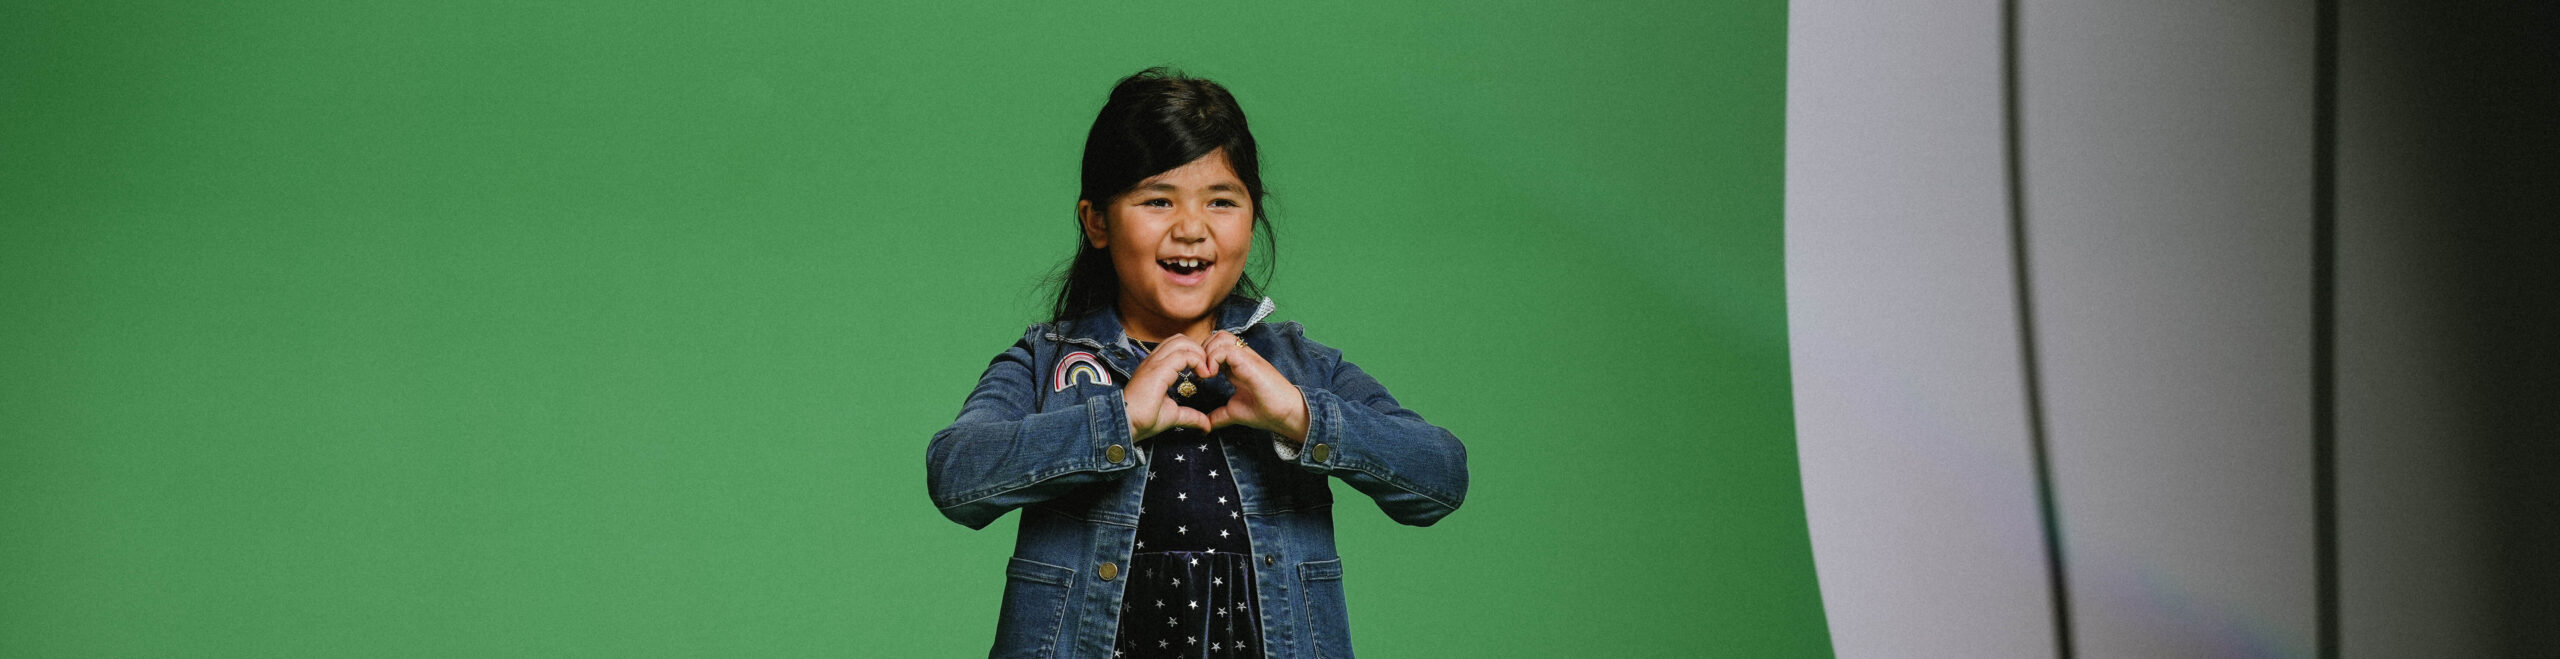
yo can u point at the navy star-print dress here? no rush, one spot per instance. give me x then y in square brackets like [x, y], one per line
[1191, 585]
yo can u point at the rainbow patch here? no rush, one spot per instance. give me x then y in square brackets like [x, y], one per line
[1078, 365]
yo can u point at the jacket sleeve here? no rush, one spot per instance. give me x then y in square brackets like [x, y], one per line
[1000, 455]
[1355, 431]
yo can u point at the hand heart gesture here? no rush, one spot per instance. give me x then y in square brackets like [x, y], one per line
[1264, 399]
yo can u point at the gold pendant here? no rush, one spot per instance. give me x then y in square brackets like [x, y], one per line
[1186, 390]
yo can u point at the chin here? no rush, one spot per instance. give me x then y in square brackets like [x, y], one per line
[1192, 304]
[1189, 306]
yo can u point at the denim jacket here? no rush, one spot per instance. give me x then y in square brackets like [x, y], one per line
[1047, 431]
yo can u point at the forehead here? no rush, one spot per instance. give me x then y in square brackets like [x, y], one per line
[1206, 171]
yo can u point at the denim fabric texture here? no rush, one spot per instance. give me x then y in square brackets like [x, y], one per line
[1056, 445]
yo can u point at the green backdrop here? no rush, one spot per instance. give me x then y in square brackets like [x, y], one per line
[619, 329]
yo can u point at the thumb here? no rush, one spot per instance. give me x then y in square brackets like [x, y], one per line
[1219, 418]
[1185, 416]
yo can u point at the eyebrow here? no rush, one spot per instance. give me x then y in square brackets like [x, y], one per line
[1168, 187]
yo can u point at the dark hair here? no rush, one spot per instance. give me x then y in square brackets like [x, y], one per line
[1156, 120]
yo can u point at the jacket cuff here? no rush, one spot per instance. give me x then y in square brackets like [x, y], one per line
[1322, 451]
[1112, 448]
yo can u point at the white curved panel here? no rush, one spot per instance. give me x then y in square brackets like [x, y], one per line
[1910, 411]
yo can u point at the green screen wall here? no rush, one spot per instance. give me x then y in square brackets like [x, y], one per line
[619, 329]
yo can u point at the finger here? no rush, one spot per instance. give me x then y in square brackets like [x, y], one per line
[1185, 416]
[1220, 418]
[1201, 362]
[1188, 355]
[1240, 352]
[1220, 343]
[1160, 367]
[1205, 367]
[1244, 367]
[1153, 373]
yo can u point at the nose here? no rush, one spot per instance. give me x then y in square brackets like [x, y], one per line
[1190, 226]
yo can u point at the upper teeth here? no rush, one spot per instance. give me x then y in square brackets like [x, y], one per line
[1187, 263]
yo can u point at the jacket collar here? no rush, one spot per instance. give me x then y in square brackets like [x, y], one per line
[1101, 329]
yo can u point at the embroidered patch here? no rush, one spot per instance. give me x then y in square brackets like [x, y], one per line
[1078, 365]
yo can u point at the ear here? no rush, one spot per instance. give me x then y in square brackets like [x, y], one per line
[1097, 229]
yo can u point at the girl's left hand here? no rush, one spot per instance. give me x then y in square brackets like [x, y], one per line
[1264, 398]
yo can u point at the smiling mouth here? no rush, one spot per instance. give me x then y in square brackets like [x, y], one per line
[1184, 267]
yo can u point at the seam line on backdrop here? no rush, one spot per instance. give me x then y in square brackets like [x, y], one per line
[2324, 323]
[2057, 582]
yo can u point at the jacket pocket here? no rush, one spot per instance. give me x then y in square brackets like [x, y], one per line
[1035, 607]
[1328, 620]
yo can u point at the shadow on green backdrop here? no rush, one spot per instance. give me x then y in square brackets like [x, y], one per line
[516, 329]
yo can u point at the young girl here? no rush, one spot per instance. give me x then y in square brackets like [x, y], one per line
[1168, 449]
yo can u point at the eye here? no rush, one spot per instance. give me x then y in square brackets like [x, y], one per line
[1157, 202]
[1224, 203]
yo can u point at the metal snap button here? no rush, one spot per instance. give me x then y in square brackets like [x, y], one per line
[1115, 454]
[1320, 452]
[1109, 571]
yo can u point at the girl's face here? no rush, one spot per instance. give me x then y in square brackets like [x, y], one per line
[1178, 240]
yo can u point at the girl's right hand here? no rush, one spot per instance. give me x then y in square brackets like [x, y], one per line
[1150, 412]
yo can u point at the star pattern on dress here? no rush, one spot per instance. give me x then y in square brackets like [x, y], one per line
[1202, 584]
